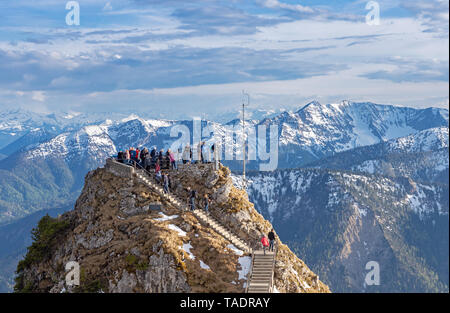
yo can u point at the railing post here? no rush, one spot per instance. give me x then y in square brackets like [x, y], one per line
[249, 276]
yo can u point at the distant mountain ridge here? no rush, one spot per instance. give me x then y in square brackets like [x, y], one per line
[317, 131]
[313, 132]
[423, 156]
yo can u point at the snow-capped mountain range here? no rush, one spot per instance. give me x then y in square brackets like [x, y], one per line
[423, 156]
[312, 133]
[317, 131]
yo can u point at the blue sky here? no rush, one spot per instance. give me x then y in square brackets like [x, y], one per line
[179, 58]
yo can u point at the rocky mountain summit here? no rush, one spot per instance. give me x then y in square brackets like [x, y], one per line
[127, 237]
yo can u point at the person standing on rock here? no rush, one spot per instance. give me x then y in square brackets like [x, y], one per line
[161, 158]
[173, 162]
[203, 153]
[127, 157]
[137, 157]
[120, 157]
[147, 162]
[144, 154]
[158, 171]
[271, 236]
[192, 196]
[265, 243]
[199, 153]
[166, 183]
[206, 203]
[187, 154]
[153, 154]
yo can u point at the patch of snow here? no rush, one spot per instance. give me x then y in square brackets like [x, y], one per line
[165, 217]
[235, 250]
[177, 229]
[204, 266]
[187, 248]
[305, 284]
[159, 123]
[245, 262]
[368, 166]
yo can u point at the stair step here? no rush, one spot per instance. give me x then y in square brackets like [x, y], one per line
[258, 290]
[265, 278]
[259, 285]
[260, 281]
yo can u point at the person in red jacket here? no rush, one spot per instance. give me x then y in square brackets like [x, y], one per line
[265, 243]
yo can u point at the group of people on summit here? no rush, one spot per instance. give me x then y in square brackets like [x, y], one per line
[158, 160]
[168, 159]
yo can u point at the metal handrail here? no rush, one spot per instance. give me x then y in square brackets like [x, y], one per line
[273, 267]
[232, 233]
[250, 274]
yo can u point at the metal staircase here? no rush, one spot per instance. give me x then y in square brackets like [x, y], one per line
[262, 272]
[146, 178]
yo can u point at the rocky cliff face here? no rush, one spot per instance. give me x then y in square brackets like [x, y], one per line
[127, 238]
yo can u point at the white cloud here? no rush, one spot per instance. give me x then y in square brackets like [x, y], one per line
[38, 95]
[107, 7]
[399, 46]
[292, 7]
